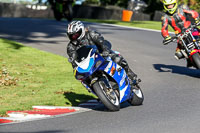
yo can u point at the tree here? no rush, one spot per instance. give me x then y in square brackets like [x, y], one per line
[153, 5]
[123, 3]
[194, 4]
[108, 2]
[92, 2]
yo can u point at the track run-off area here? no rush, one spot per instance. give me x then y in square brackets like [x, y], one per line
[171, 91]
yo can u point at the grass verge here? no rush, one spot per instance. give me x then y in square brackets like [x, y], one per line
[31, 77]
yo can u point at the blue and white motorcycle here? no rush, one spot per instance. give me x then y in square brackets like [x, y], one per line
[106, 79]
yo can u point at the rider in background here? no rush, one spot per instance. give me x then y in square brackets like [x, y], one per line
[179, 17]
[53, 2]
[80, 36]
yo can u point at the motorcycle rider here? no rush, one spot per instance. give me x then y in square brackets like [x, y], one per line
[179, 17]
[79, 36]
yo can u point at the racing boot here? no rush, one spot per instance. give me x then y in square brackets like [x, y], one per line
[131, 75]
[134, 81]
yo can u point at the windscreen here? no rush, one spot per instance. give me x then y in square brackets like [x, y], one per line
[82, 53]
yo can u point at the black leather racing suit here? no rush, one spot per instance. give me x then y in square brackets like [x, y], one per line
[91, 38]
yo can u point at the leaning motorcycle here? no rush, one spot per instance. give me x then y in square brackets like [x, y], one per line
[106, 79]
[62, 9]
[190, 44]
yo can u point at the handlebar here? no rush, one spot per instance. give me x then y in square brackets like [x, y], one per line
[175, 38]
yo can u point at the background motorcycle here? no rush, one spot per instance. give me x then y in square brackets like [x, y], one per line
[137, 5]
[191, 45]
[106, 79]
[62, 8]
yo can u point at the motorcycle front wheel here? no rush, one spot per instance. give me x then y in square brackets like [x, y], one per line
[196, 60]
[107, 95]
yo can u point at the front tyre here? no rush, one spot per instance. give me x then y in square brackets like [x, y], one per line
[138, 97]
[196, 60]
[107, 96]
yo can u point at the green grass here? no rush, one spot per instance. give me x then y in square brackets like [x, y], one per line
[140, 24]
[33, 77]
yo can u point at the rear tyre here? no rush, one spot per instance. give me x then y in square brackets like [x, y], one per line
[107, 96]
[57, 15]
[69, 12]
[196, 60]
[138, 97]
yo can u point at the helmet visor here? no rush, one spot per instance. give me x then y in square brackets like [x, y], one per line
[171, 6]
[75, 36]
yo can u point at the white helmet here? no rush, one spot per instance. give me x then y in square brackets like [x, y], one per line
[76, 30]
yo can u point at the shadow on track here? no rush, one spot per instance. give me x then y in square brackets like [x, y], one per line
[102, 108]
[28, 30]
[103, 29]
[32, 30]
[75, 99]
[177, 70]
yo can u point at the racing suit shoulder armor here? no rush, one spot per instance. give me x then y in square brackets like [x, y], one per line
[94, 34]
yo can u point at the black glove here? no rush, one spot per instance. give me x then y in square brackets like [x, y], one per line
[70, 59]
[167, 40]
[105, 53]
[74, 64]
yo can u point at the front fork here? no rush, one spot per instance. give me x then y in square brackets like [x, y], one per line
[189, 47]
[95, 79]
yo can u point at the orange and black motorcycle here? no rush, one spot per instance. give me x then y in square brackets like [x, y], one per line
[62, 9]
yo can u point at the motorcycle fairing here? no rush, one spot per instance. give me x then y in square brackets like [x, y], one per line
[86, 67]
[194, 52]
[120, 77]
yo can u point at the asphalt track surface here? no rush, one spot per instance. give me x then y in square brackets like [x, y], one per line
[172, 92]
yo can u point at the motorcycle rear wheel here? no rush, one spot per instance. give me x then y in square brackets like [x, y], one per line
[196, 60]
[69, 12]
[109, 99]
[137, 98]
[57, 15]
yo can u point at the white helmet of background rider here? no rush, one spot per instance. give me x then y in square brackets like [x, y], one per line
[76, 30]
